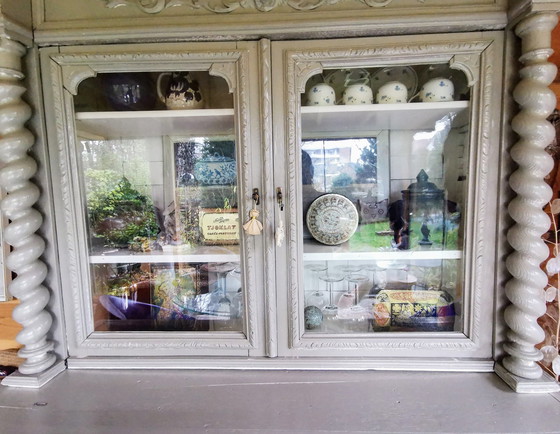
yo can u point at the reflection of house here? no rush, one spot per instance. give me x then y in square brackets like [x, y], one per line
[331, 158]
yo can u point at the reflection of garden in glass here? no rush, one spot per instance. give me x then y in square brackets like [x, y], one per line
[378, 235]
[118, 191]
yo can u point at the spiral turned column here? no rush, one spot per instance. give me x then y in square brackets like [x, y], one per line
[525, 290]
[16, 170]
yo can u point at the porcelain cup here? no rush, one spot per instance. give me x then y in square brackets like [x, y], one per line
[357, 94]
[392, 92]
[437, 90]
[321, 94]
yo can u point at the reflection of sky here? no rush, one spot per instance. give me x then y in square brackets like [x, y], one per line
[427, 147]
[355, 147]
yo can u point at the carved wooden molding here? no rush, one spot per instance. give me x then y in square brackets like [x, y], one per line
[222, 6]
[271, 324]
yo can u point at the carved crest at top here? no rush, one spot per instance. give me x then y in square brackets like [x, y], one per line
[225, 6]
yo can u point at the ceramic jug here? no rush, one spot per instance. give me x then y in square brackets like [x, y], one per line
[182, 91]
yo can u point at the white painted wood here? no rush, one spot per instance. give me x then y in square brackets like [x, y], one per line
[17, 169]
[543, 384]
[174, 254]
[298, 402]
[525, 288]
[478, 58]
[17, 379]
[57, 22]
[112, 125]
[316, 252]
[278, 325]
[281, 363]
[236, 63]
[353, 118]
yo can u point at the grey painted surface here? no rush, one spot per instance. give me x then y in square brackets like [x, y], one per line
[110, 401]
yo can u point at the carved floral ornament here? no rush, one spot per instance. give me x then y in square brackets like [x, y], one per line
[226, 6]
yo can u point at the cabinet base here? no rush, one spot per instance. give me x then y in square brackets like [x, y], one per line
[34, 381]
[311, 364]
[545, 384]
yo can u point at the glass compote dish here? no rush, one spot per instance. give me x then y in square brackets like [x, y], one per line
[331, 309]
[317, 297]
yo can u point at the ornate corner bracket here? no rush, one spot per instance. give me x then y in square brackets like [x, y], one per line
[221, 6]
[525, 290]
[17, 169]
[468, 64]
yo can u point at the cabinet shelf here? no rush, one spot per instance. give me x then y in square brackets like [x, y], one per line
[153, 123]
[199, 254]
[362, 118]
[316, 252]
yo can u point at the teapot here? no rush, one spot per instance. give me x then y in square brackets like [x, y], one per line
[182, 91]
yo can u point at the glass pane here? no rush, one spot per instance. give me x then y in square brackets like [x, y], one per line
[160, 190]
[383, 179]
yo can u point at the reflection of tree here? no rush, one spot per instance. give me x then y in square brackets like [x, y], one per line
[342, 180]
[366, 170]
[184, 162]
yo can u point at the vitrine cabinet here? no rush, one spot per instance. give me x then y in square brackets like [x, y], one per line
[374, 235]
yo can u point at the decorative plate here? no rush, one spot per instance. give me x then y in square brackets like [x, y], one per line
[332, 219]
[404, 74]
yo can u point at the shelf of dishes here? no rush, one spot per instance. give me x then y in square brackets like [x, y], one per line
[315, 119]
[405, 116]
[169, 254]
[153, 123]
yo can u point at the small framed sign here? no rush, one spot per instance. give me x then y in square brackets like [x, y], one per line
[218, 226]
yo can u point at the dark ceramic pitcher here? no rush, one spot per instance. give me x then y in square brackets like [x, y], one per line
[129, 91]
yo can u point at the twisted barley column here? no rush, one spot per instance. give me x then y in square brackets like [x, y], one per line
[16, 170]
[525, 289]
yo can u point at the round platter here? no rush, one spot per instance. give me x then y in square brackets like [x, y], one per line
[332, 219]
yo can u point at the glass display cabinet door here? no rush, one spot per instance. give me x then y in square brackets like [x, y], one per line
[155, 190]
[388, 147]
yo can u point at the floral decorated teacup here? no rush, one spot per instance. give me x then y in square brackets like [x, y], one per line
[436, 90]
[357, 94]
[392, 92]
[321, 94]
[356, 88]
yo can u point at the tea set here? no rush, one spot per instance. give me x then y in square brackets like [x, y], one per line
[391, 85]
